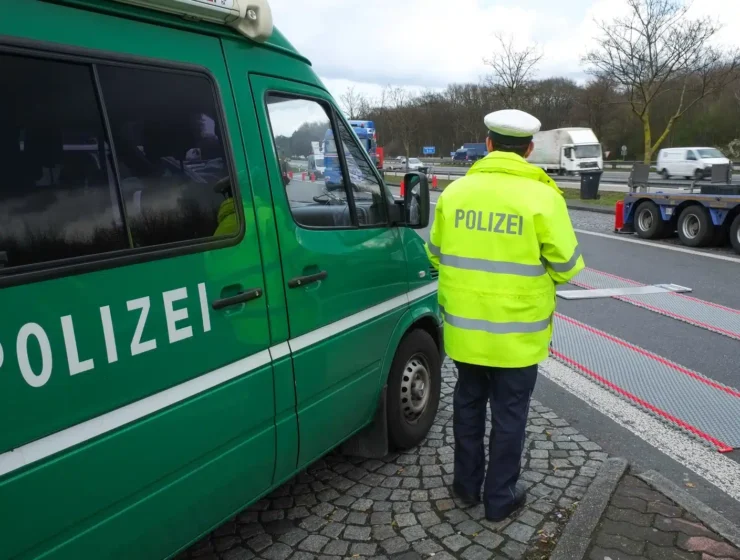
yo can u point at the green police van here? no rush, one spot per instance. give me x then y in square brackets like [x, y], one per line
[188, 317]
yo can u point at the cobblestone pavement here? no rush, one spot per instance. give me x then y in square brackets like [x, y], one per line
[643, 524]
[402, 507]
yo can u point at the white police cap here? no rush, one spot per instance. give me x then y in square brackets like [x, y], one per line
[512, 122]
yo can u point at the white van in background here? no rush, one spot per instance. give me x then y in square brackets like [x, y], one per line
[691, 163]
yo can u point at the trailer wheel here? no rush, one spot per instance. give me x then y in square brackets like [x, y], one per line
[695, 227]
[735, 234]
[649, 223]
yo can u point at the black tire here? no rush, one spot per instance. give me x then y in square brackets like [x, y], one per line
[648, 222]
[664, 173]
[695, 227]
[698, 175]
[417, 346]
[735, 234]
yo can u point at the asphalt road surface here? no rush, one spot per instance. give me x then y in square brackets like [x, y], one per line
[619, 426]
[609, 176]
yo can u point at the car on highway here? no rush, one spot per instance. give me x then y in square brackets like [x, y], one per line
[414, 164]
[690, 163]
[188, 320]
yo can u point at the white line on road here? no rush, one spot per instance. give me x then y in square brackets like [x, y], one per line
[707, 463]
[659, 246]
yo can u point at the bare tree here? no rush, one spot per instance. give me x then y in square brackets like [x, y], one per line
[656, 49]
[406, 117]
[597, 103]
[512, 70]
[353, 103]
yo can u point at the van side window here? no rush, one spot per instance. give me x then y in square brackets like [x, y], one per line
[170, 153]
[301, 127]
[368, 192]
[690, 155]
[58, 195]
[69, 191]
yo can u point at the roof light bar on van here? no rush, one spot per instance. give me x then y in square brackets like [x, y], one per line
[251, 18]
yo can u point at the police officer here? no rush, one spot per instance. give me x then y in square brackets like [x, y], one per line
[501, 239]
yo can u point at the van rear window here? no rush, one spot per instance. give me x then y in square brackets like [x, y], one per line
[77, 182]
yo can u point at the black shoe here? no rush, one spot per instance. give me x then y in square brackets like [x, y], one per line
[520, 498]
[468, 500]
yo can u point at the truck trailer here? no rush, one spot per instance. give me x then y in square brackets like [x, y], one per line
[699, 219]
[567, 151]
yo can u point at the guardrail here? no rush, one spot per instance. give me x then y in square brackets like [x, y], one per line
[608, 164]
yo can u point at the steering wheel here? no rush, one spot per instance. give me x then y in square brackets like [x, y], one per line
[328, 198]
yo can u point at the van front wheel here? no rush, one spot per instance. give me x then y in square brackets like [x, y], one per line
[413, 389]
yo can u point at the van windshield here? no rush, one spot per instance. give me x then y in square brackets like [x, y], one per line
[588, 151]
[710, 153]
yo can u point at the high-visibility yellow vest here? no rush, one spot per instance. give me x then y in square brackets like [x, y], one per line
[501, 239]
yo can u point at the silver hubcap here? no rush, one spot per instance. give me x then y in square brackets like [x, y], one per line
[738, 236]
[415, 388]
[645, 220]
[691, 226]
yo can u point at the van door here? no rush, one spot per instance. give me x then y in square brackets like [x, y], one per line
[344, 266]
[138, 411]
[691, 164]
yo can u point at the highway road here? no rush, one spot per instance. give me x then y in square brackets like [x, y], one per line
[647, 341]
[611, 179]
[609, 176]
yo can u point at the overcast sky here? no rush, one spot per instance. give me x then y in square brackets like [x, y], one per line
[424, 44]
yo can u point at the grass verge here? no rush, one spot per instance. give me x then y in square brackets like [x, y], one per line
[608, 198]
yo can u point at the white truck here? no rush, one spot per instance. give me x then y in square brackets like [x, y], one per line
[567, 151]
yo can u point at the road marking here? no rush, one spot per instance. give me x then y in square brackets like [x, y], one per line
[717, 469]
[593, 293]
[659, 245]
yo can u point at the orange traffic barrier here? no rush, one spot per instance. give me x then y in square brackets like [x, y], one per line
[303, 176]
[313, 177]
[618, 216]
[434, 181]
[403, 189]
[290, 175]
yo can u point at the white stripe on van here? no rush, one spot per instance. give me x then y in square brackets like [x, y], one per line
[279, 351]
[75, 435]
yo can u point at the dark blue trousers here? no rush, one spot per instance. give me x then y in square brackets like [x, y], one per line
[509, 392]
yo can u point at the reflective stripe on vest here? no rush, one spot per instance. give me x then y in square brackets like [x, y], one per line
[566, 266]
[514, 327]
[484, 265]
[501, 267]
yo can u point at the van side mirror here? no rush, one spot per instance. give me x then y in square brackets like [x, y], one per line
[416, 200]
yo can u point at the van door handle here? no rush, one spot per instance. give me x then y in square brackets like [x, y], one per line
[242, 297]
[300, 281]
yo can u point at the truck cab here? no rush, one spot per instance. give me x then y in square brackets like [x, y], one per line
[567, 151]
[581, 157]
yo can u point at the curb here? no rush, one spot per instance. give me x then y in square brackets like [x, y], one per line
[704, 513]
[590, 208]
[576, 537]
